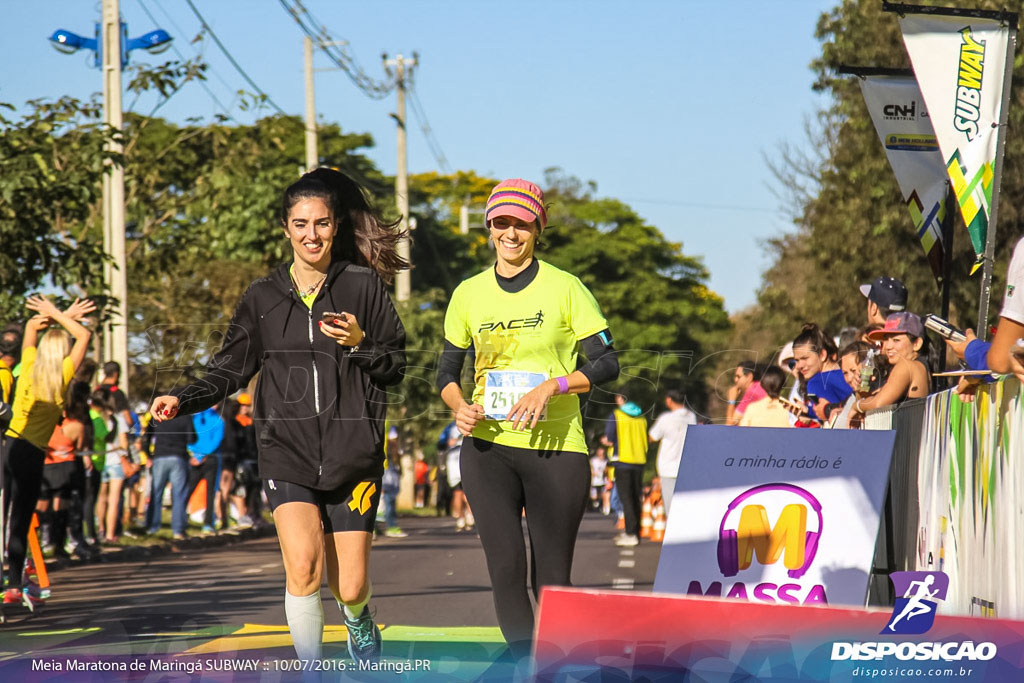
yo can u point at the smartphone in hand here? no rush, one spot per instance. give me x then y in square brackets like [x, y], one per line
[943, 328]
[331, 318]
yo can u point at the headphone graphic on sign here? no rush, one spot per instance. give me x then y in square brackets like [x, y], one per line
[728, 552]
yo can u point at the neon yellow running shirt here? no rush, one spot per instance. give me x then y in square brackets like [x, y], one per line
[534, 330]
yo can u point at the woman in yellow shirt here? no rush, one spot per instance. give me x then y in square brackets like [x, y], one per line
[46, 371]
[527, 323]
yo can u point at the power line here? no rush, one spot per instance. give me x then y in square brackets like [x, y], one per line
[200, 53]
[174, 47]
[432, 143]
[337, 51]
[209, 29]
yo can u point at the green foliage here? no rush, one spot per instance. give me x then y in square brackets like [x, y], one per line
[203, 222]
[206, 222]
[659, 309]
[664, 318]
[51, 166]
[854, 225]
[416, 407]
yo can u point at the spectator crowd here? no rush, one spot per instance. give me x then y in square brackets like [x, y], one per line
[107, 471]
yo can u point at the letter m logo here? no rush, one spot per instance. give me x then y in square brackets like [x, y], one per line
[755, 535]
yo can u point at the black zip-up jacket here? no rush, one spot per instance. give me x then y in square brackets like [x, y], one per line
[319, 408]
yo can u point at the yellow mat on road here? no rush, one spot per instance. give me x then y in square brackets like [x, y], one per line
[260, 636]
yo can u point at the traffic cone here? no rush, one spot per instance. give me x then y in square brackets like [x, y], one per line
[620, 523]
[658, 528]
[197, 501]
[646, 520]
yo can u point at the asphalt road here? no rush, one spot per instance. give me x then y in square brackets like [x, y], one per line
[431, 595]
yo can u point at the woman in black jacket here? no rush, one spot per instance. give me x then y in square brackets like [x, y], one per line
[326, 340]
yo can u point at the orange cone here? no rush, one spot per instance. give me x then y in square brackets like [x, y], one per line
[620, 523]
[197, 502]
[646, 521]
[36, 554]
[658, 528]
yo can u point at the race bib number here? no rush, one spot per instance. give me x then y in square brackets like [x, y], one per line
[504, 388]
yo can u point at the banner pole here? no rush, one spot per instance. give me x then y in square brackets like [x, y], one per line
[947, 246]
[990, 234]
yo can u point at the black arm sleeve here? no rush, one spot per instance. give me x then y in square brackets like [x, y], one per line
[450, 368]
[602, 364]
[233, 366]
[381, 353]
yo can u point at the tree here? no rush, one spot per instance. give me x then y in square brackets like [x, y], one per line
[51, 167]
[207, 223]
[664, 317]
[656, 300]
[204, 221]
[853, 225]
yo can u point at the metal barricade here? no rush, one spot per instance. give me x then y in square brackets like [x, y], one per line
[897, 533]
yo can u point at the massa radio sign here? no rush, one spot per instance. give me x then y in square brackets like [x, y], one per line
[778, 516]
[749, 535]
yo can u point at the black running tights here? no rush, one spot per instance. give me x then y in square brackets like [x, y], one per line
[23, 479]
[552, 486]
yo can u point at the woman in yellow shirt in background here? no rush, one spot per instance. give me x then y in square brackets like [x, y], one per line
[46, 371]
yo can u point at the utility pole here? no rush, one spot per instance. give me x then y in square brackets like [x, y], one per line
[111, 46]
[115, 339]
[464, 213]
[312, 158]
[403, 284]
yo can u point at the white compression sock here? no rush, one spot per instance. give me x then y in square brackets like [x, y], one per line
[306, 622]
[353, 612]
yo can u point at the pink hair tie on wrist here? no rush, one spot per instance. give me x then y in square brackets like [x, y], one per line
[563, 385]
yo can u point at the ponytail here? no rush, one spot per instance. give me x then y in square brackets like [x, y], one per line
[812, 336]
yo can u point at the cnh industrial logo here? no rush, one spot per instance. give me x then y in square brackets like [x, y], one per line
[918, 595]
[747, 532]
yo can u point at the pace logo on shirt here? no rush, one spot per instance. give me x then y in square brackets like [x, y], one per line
[536, 320]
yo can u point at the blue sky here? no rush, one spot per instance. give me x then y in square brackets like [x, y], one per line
[668, 105]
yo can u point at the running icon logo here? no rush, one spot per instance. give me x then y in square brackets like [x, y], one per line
[914, 613]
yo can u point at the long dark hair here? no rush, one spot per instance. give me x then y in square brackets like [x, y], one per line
[363, 236]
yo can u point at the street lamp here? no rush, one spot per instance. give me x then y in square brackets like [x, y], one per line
[69, 42]
[110, 46]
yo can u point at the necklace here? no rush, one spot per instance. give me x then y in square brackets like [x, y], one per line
[308, 290]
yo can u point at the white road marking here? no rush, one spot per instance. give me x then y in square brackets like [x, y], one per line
[627, 563]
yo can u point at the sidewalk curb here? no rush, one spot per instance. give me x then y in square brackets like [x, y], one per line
[135, 553]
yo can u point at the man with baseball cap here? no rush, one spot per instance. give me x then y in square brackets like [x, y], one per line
[885, 295]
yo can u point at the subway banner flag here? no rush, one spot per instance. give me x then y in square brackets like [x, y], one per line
[961, 67]
[905, 130]
[776, 516]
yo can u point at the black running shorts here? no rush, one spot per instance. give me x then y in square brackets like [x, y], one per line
[350, 507]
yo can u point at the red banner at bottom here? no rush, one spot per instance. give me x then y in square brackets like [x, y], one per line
[612, 636]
